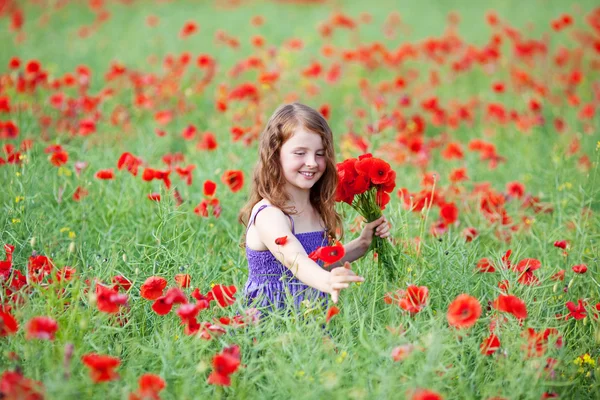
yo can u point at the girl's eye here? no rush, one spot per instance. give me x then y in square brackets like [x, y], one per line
[299, 154]
[320, 155]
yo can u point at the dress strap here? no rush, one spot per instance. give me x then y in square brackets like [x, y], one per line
[253, 217]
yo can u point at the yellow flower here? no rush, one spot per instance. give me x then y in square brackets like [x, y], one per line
[300, 374]
[72, 235]
[16, 220]
[19, 198]
[64, 229]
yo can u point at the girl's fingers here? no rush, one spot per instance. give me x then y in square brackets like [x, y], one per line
[340, 286]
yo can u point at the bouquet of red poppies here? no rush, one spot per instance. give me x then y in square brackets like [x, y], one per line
[365, 184]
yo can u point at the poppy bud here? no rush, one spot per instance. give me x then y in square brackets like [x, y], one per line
[124, 257]
[570, 283]
[71, 247]
[555, 287]
[32, 241]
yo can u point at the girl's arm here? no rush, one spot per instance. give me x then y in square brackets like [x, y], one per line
[357, 248]
[271, 224]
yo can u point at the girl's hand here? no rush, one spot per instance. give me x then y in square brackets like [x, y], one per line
[340, 278]
[379, 227]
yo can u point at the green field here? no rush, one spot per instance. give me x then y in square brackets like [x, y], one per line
[530, 154]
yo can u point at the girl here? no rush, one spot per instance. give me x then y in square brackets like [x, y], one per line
[293, 197]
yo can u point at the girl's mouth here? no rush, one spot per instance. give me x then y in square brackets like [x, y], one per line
[307, 174]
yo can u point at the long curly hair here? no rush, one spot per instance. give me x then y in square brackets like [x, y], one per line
[268, 179]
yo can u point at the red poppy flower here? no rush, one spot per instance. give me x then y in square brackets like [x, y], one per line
[13, 385]
[109, 300]
[151, 174]
[233, 179]
[38, 268]
[189, 132]
[209, 188]
[101, 367]
[129, 161]
[579, 269]
[8, 324]
[225, 364]
[559, 276]
[511, 304]
[153, 287]
[120, 282]
[449, 213]
[105, 174]
[414, 299]
[183, 280]
[561, 244]
[485, 265]
[464, 311]
[490, 345]
[329, 254]
[280, 241]
[188, 29]
[188, 312]
[576, 311]
[375, 168]
[150, 386]
[331, 311]
[222, 294]
[59, 158]
[207, 142]
[154, 197]
[402, 352]
[425, 394]
[41, 328]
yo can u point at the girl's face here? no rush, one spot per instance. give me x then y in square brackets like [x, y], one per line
[302, 159]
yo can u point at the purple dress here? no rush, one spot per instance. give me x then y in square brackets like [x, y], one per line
[270, 282]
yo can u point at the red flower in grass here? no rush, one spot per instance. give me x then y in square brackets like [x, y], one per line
[79, 193]
[233, 179]
[511, 304]
[129, 161]
[154, 197]
[8, 324]
[188, 29]
[225, 364]
[415, 298]
[164, 304]
[579, 269]
[280, 241]
[537, 342]
[101, 367]
[464, 311]
[38, 268]
[561, 244]
[109, 300]
[222, 295]
[490, 345]
[328, 254]
[41, 328]
[13, 385]
[153, 287]
[149, 387]
[331, 311]
[151, 174]
[209, 188]
[120, 282]
[186, 173]
[526, 268]
[559, 276]
[485, 265]
[183, 280]
[576, 311]
[425, 394]
[105, 174]
[377, 170]
[188, 312]
[59, 158]
[401, 353]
